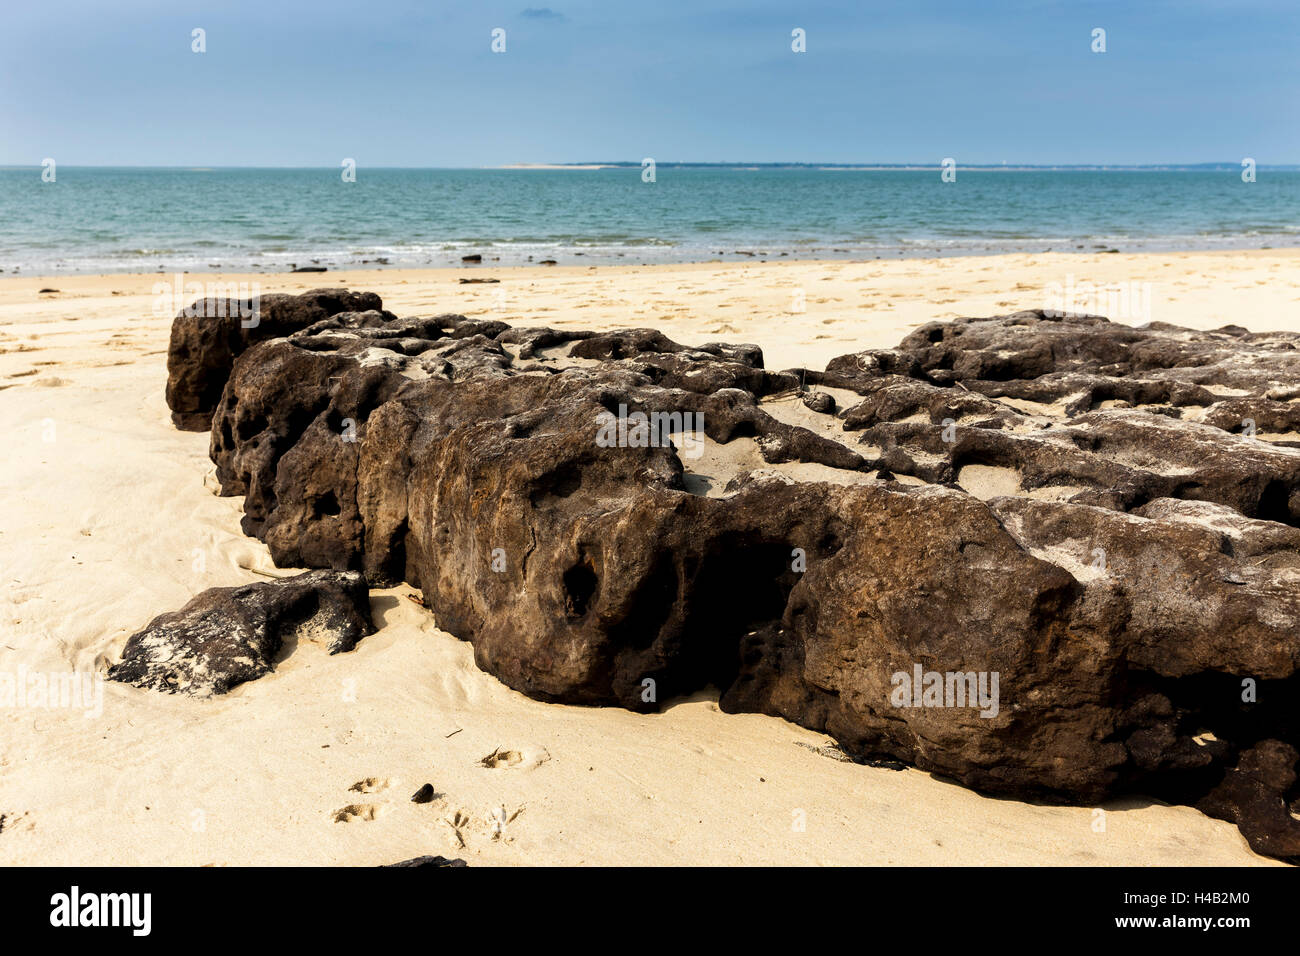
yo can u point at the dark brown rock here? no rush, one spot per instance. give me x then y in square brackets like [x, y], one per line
[210, 333]
[1067, 506]
[1254, 796]
[430, 862]
[226, 636]
[424, 795]
[821, 402]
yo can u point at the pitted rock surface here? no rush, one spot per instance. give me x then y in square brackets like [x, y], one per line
[1105, 517]
[226, 636]
[208, 336]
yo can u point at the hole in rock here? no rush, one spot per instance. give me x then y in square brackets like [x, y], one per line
[560, 483]
[743, 429]
[1190, 491]
[1273, 503]
[246, 428]
[651, 608]
[295, 626]
[831, 542]
[1209, 706]
[739, 587]
[580, 586]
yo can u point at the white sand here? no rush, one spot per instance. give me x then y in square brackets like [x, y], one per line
[108, 520]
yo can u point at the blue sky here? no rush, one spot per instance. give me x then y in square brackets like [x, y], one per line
[416, 84]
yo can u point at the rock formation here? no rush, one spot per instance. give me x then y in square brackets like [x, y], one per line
[1044, 556]
[211, 333]
[428, 862]
[226, 636]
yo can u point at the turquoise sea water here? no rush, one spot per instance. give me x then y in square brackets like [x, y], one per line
[100, 219]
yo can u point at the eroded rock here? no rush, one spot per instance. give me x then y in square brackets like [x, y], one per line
[428, 862]
[226, 636]
[207, 336]
[1253, 795]
[1070, 508]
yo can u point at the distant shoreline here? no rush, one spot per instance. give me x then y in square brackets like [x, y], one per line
[1221, 166]
[556, 166]
[924, 167]
[477, 273]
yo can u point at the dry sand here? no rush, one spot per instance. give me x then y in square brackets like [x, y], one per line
[108, 519]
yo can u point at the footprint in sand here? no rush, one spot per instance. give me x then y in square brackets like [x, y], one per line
[528, 758]
[502, 758]
[458, 821]
[494, 824]
[361, 811]
[371, 785]
[10, 822]
[497, 819]
[355, 811]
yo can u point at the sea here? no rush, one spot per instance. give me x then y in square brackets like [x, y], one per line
[97, 219]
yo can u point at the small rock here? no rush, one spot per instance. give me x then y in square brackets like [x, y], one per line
[426, 861]
[226, 636]
[819, 402]
[423, 795]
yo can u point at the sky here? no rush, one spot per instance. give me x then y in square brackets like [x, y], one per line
[300, 83]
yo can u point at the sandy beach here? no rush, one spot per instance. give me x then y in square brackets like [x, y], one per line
[111, 519]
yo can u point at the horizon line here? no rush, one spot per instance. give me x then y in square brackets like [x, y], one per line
[637, 164]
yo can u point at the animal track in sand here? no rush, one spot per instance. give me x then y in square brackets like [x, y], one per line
[497, 818]
[527, 759]
[16, 821]
[502, 758]
[371, 785]
[458, 821]
[355, 811]
[492, 824]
